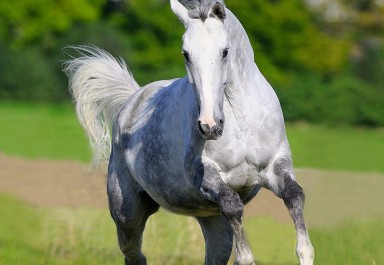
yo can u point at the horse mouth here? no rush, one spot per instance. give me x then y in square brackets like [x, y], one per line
[211, 137]
[208, 133]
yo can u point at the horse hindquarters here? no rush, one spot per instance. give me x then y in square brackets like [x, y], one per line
[130, 207]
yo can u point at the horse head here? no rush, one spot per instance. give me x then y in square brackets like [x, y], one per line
[205, 48]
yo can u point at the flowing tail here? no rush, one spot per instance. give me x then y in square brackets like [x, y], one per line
[100, 85]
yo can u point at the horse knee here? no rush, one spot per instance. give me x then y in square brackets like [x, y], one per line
[292, 194]
[230, 204]
[287, 188]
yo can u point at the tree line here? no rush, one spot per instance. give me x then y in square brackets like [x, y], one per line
[322, 70]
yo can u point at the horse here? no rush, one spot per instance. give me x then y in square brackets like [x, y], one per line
[202, 145]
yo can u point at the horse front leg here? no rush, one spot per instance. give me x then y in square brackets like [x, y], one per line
[282, 183]
[218, 239]
[213, 188]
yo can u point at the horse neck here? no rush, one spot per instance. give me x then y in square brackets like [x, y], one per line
[242, 59]
[242, 66]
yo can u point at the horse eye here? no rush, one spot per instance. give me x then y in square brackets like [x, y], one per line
[186, 55]
[225, 53]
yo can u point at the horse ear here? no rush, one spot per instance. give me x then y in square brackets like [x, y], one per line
[181, 12]
[218, 11]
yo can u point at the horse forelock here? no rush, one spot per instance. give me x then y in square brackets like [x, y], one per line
[199, 9]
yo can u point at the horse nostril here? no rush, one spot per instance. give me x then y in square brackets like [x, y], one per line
[204, 128]
[219, 131]
[221, 121]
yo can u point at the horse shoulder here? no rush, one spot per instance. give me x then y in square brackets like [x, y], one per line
[152, 124]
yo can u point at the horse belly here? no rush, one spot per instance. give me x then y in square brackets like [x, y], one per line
[181, 197]
[186, 202]
[171, 188]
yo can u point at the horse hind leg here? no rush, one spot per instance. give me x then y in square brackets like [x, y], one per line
[130, 228]
[130, 208]
[282, 183]
[218, 239]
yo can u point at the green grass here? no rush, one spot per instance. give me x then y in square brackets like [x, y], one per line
[52, 131]
[354, 243]
[30, 236]
[337, 148]
[42, 131]
[272, 243]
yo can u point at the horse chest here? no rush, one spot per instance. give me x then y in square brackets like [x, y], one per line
[243, 163]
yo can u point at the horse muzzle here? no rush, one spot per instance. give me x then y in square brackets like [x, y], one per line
[211, 133]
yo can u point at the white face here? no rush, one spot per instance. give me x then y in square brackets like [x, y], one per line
[205, 48]
[206, 52]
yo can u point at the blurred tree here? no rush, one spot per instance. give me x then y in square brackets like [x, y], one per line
[284, 32]
[283, 35]
[323, 71]
[155, 38]
[23, 21]
[27, 75]
[367, 16]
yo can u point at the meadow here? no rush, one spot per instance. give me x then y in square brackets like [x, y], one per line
[30, 236]
[51, 131]
[67, 236]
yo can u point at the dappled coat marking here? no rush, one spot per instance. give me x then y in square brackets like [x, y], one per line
[202, 145]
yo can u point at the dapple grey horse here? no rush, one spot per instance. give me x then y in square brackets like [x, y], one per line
[202, 145]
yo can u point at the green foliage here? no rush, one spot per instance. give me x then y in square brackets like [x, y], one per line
[322, 72]
[35, 73]
[155, 38]
[24, 21]
[370, 65]
[340, 100]
[284, 33]
[28, 75]
[367, 16]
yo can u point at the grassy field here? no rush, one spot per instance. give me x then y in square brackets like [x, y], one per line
[337, 148]
[30, 235]
[52, 131]
[42, 131]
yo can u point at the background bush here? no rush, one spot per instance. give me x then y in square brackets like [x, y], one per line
[322, 71]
